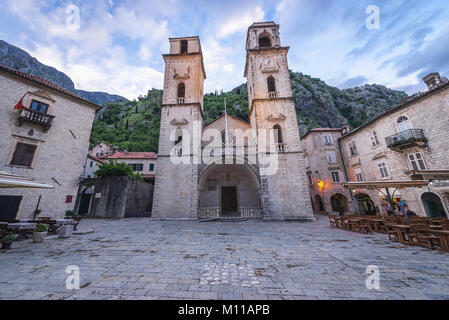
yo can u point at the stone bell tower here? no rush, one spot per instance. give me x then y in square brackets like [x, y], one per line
[284, 193]
[176, 185]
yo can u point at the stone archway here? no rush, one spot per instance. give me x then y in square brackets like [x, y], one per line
[365, 204]
[339, 203]
[433, 206]
[229, 190]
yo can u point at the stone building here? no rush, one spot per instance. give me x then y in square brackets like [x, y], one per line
[141, 162]
[102, 149]
[326, 172]
[48, 141]
[410, 137]
[91, 166]
[261, 172]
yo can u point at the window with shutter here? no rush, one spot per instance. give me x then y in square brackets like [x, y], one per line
[331, 157]
[384, 172]
[336, 177]
[417, 161]
[23, 155]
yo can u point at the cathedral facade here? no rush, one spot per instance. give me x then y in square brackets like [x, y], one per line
[228, 167]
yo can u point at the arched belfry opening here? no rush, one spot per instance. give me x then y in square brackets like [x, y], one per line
[265, 41]
[184, 46]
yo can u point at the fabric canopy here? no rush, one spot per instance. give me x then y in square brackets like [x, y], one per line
[8, 180]
[386, 184]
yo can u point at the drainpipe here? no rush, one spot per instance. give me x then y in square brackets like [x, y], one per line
[346, 174]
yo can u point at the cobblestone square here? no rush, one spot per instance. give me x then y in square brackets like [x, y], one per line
[146, 259]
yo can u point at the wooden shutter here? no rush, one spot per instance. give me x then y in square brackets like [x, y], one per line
[23, 155]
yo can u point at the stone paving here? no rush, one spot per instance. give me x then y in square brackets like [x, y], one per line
[145, 259]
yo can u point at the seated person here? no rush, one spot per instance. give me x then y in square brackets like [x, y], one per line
[410, 213]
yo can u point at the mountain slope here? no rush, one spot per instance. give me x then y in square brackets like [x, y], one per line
[135, 124]
[19, 59]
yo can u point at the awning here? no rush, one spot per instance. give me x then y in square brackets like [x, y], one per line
[386, 184]
[8, 180]
[441, 174]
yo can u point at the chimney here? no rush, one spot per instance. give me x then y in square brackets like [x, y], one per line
[345, 130]
[433, 80]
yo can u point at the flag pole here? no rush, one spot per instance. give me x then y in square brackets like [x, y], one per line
[226, 123]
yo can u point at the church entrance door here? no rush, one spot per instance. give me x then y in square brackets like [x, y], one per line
[229, 205]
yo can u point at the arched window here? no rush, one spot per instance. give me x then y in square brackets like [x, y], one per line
[178, 140]
[231, 138]
[181, 90]
[264, 42]
[404, 124]
[271, 83]
[184, 46]
[277, 134]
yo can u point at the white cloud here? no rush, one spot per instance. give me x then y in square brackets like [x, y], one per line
[241, 21]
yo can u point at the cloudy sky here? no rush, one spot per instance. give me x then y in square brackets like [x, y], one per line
[118, 45]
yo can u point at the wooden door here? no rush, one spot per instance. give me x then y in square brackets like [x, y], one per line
[9, 207]
[229, 205]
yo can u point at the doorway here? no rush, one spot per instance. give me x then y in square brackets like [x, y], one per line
[229, 203]
[433, 206]
[85, 199]
[339, 203]
[365, 204]
[10, 207]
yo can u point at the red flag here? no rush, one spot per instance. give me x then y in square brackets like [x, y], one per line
[20, 105]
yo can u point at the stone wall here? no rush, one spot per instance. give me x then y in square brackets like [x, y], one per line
[430, 114]
[121, 197]
[61, 151]
[320, 169]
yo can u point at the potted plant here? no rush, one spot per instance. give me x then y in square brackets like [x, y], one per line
[39, 233]
[36, 213]
[69, 213]
[7, 241]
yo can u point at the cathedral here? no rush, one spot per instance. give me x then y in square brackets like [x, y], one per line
[229, 168]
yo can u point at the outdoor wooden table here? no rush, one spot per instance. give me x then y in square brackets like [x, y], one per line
[52, 224]
[353, 223]
[23, 228]
[376, 223]
[65, 221]
[400, 230]
[436, 227]
[444, 238]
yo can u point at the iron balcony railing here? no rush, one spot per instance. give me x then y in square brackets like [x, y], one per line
[405, 137]
[43, 119]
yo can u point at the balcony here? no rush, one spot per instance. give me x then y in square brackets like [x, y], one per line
[406, 139]
[280, 147]
[38, 118]
[181, 100]
[272, 94]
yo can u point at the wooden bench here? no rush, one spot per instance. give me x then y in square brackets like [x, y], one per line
[424, 237]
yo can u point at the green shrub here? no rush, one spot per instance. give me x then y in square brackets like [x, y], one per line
[70, 213]
[41, 228]
[117, 169]
[9, 238]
